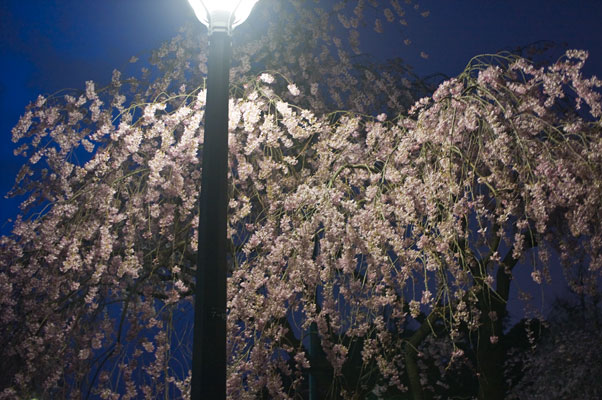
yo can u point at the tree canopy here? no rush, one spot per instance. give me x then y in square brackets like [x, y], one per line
[380, 231]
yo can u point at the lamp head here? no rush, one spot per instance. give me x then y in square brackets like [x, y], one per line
[222, 15]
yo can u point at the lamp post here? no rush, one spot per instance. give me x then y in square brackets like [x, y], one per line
[209, 343]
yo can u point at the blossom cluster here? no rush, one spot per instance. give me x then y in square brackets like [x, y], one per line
[354, 225]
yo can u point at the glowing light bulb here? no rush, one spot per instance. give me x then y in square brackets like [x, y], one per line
[222, 15]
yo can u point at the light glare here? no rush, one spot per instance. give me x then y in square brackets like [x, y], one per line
[222, 13]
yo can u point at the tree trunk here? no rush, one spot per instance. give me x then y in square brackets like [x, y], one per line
[490, 362]
[491, 356]
[411, 347]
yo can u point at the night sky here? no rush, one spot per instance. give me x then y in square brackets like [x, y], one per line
[49, 45]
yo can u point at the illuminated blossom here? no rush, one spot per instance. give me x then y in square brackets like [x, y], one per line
[353, 226]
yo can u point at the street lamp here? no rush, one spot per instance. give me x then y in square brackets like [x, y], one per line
[209, 343]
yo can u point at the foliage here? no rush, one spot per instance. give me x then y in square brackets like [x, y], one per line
[566, 363]
[379, 231]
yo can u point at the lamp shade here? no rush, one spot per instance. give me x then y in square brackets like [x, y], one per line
[222, 15]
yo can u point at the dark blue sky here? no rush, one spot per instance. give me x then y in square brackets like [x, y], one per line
[47, 45]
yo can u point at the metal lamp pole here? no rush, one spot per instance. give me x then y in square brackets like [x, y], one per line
[209, 343]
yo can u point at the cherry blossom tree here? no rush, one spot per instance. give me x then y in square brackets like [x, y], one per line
[387, 233]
